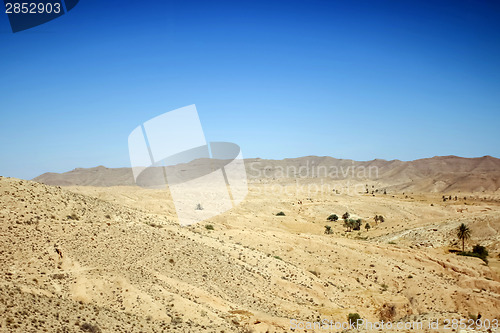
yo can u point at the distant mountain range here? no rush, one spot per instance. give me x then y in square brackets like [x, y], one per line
[436, 174]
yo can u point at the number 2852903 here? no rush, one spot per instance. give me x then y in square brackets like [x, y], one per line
[32, 8]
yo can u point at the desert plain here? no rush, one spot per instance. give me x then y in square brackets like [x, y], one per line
[88, 251]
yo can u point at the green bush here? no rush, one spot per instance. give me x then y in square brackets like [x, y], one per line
[333, 217]
[481, 250]
[328, 230]
[86, 327]
[280, 214]
[356, 224]
[472, 254]
[353, 318]
[209, 227]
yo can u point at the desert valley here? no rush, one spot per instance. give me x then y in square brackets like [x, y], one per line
[88, 251]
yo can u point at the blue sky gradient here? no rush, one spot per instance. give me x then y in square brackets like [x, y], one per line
[348, 79]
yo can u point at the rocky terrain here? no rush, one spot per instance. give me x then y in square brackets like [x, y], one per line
[114, 259]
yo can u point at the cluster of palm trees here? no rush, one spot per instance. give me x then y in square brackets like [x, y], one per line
[463, 231]
[350, 224]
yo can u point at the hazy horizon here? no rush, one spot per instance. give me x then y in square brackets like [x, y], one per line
[360, 80]
[270, 159]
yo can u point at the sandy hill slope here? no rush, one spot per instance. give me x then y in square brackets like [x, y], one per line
[437, 174]
[98, 176]
[113, 259]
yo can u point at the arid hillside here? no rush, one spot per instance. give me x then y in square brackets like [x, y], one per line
[114, 259]
[441, 174]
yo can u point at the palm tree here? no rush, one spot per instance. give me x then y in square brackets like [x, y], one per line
[463, 233]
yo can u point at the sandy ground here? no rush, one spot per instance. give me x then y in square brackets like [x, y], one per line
[115, 259]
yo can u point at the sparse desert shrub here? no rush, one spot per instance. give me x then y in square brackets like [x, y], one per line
[356, 224]
[353, 318]
[361, 237]
[107, 216]
[86, 327]
[472, 254]
[481, 250]
[73, 216]
[472, 316]
[328, 230]
[277, 257]
[384, 287]
[209, 227]
[347, 225]
[333, 217]
[152, 224]
[199, 207]
[59, 276]
[280, 214]
[367, 226]
[346, 215]
[387, 312]
[315, 273]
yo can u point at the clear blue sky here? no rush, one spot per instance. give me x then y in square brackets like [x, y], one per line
[355, 79]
